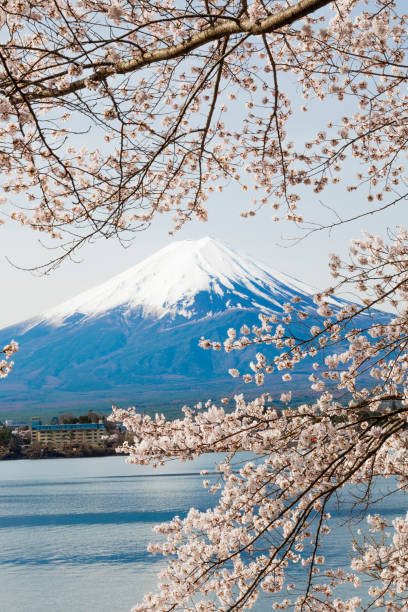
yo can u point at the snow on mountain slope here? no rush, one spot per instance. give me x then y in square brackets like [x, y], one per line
[168, 282]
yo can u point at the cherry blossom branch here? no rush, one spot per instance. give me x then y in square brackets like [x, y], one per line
[239, 26]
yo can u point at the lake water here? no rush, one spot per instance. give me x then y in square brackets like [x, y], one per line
[74, 532]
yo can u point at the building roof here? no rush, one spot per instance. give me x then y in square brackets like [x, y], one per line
[69, 426]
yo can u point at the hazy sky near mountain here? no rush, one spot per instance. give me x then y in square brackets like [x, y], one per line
[26, 295]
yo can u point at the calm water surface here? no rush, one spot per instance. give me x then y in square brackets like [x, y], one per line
[74, 532]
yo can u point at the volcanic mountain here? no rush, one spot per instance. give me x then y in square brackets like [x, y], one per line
[134, 339]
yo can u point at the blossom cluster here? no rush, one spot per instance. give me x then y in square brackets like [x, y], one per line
[5, 364]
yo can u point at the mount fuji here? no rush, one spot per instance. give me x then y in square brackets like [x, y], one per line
[134, 339]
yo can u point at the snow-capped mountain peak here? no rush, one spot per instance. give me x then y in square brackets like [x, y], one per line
[174, 281]
[135, 338]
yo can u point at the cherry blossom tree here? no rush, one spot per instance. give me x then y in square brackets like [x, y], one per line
[272, 510]
[181, 99]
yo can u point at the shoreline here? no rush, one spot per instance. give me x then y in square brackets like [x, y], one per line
[55, 454]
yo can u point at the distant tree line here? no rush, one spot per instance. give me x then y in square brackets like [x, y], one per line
[68, 417]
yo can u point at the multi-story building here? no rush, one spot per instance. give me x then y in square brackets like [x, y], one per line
[72, 433]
